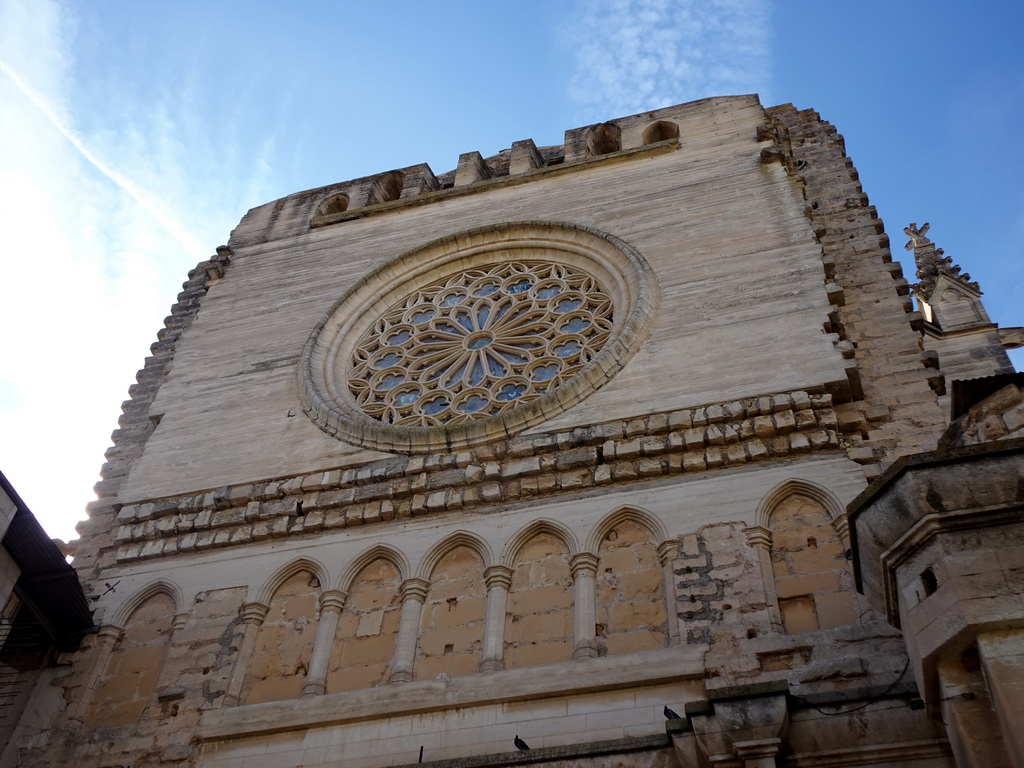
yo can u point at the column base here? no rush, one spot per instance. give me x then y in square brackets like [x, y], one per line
[585, 652]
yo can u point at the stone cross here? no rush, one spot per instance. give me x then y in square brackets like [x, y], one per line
[917, 236]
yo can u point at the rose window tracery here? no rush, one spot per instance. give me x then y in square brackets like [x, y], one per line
[475, 336]
[479, 343]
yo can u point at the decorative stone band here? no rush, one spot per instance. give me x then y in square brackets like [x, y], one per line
[577, 461]
[418, 357]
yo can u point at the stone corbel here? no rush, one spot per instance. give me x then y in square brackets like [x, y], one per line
[743, 729]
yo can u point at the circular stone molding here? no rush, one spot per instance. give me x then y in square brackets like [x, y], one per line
[477, 336]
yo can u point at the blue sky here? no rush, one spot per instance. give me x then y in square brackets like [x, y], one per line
[136, 134]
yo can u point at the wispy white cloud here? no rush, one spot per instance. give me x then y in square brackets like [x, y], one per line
[108, 195]
[636, 55]
[173, 228]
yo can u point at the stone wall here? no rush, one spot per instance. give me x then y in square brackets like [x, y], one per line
[677, 537]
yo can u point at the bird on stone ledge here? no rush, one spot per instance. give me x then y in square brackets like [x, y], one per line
[671, 715]
[520, 744]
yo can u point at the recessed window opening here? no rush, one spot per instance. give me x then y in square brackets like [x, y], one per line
[663, 130]
[387, 187]
[334, 204]
[929, 582]
[603, 139]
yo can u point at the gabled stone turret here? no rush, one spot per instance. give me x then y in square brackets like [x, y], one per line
[957, 328]
[950, 299]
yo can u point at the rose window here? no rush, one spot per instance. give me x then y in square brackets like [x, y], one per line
[479, 343]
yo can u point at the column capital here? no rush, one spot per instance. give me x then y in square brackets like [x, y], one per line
[668, 550]
[758, 537]
[842, 526]
[583, 563]
[414, 589]
[333, 600]
[498, 576]
[254, 613]
[109, 634]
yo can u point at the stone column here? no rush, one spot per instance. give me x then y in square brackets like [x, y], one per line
[760, 538]
[169, 686]
[253, 615]
[667, 552]
[331, 603]
[498, 579]
[584, 574]
[106, 640]
[414, 593]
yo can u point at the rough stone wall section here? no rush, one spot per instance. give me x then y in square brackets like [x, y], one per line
[718, 585]
[721, 600]
[584, 460]
[539, 619]
[136, 423]
[630, 593]
[998, 417]
[200, 653]
[877, 317]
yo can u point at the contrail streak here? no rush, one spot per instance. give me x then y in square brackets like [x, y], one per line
[173, 228]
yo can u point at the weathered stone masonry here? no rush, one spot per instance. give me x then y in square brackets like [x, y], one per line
[667, 529]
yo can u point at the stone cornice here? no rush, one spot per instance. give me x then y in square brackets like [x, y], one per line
[679, 665]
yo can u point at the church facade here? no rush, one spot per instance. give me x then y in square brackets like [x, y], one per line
[550, 451]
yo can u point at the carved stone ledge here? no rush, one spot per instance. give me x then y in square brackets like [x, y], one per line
[696, 440]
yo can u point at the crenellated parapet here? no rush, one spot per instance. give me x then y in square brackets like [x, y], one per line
[647, 133]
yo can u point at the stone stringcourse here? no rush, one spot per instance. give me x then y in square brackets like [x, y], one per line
[693, 440]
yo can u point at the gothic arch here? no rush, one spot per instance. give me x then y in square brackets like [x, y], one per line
[386, 187]
[543, 525]
[120, 693]
[623, 514]
[282, 575]
[796, 486]
[661, 130]
[603, 139]
[158, 587]
[800, 536]
[336, 203]
[382, 551]
[450, 542]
